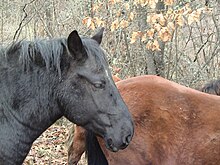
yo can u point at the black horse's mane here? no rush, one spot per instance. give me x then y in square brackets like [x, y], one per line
[94, 153]
[41, 53]
[52, 54]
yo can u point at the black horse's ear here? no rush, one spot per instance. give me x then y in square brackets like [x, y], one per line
[98, 36]
[75, 46]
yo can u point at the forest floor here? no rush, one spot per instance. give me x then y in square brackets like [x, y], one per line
[51, 147]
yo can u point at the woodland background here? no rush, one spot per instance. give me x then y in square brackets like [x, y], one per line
[175, 39]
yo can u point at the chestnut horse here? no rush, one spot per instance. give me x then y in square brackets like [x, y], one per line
[173, 125]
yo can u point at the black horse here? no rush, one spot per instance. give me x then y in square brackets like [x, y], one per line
[43, 80]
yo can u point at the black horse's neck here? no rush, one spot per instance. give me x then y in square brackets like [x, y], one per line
[27, 108]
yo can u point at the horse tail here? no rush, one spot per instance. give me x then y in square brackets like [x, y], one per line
[94, 153]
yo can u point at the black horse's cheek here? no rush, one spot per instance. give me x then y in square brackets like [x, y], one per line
[75, 104]
[64, 101]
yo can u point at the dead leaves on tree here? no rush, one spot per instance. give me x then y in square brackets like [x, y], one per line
[161, 26]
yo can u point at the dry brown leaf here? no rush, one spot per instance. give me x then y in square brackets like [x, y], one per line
[152, 3]
[131, 16]
[168, 2]
[157, 26]
[180, 20]
[155, 46]
[143, 2]
[194, 17]
[85, 20]
[124, 24]
[164, 34]
[171, 25]
[149, 45]
[144, 37]
[127, 6]
[161, 19]
[99, 22]
[134, 36]
[150, 33]
[115, 25]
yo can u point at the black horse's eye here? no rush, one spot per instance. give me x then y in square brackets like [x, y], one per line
[99, 84]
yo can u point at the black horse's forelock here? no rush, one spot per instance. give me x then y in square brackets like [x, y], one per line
[94, 153]
[92, 47]
[43, 53]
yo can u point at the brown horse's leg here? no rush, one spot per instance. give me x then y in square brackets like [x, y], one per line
[78, 146]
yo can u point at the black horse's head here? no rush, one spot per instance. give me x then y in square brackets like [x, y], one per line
[88, 95]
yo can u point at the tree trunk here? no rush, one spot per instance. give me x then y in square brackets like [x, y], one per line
[150, 67]
[159, 55]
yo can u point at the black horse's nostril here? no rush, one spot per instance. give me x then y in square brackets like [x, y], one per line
[110, 142]
[128, 138]
[111, 145]
[126, 141]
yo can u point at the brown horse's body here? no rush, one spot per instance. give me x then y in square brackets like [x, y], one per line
[174, 125]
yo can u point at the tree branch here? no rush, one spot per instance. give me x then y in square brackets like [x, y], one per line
[20, 25]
